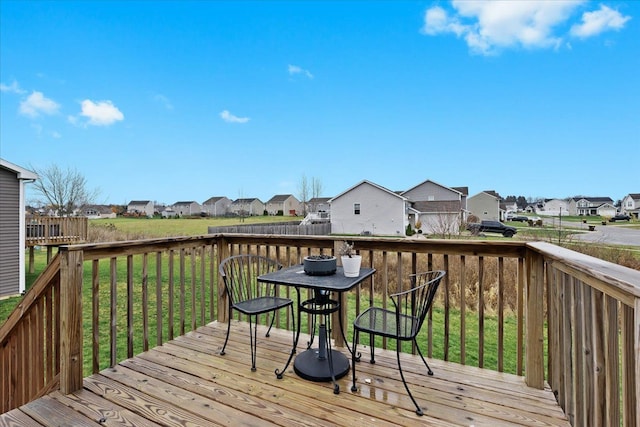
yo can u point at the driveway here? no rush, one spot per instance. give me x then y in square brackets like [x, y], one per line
[611, 234]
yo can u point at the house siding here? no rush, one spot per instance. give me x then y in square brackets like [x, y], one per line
[485, 206]
[9, 233]
[381, 212]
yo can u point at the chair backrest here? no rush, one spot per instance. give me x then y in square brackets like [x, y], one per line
[240, 273]
[413, 304]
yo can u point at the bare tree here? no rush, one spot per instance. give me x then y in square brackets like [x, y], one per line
[303, 192]
[64, 190]
[316, 187]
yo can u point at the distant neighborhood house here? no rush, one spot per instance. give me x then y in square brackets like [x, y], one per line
[216, 206]
[285, 204]
[368, 208]
[436, 208]
[486, 205]
[97, 212]
[187, 208]
[631, 205]
[141, 207]
[247, 207]
[592, 206]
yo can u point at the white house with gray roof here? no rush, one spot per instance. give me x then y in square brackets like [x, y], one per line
[368, 208]
[216, 206]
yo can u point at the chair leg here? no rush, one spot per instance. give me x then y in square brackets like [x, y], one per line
[253, 337]
[273, 319]
[406, 386]
[429, 371]
[227, 337]
[372, 347]
[354, 357]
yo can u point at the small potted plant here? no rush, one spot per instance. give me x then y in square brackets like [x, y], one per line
[350, 260]
[319, 265]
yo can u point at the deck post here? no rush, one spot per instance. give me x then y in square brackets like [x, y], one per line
[71, 277]
[534, 341]
[223, 298]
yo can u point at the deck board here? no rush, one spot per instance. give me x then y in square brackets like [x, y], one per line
[186, 382]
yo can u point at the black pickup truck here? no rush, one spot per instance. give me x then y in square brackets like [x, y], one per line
[491, 227]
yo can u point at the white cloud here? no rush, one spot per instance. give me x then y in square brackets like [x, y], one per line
[14, 87]
[599, 21]
[37, 104]
[101, 113]
[230, 118]
[488, 26]
[294, 69]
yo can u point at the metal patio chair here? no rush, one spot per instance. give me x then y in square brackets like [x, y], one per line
[250, 297]
[401, 323]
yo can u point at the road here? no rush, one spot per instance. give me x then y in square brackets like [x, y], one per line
[609, 234]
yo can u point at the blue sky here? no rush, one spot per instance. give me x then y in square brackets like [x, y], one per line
[172, 101]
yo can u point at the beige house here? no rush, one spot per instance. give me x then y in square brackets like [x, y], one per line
[285, 203]
[247, 207]
[438, 209]
[485, 205]
[591, 206]
[187, 208]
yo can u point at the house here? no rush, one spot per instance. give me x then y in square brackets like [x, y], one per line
[141, 207]
[436, 208]
[187, 208]
[216, 206]
[247, 207]
[13, 179]
[589, 206]
[319, 205]
[284, 204]
[318, 211]
[97, 212]
[631, 205]
[555, 207]
[368, 208]
[486, 205]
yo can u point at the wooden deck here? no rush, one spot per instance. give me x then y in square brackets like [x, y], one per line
[186, 382]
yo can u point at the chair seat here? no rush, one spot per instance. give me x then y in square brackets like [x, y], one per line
[383, 322]
[262, 305]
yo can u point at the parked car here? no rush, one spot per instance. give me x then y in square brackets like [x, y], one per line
[520, 218]
[620, 217]
[491, 227]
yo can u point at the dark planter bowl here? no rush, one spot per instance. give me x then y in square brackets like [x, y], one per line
[319, 265]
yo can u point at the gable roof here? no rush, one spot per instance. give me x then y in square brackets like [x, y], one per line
[245, 201]
[634, 196]
[319, 200]
[433, 182]
[22, 173]
[184, 203]
[213, 200]
[594, 199]
[139, 202]
[462, 190]
[279, 198]
[379, 187]
[493, 193]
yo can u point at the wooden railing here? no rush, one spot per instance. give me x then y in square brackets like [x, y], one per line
[50, 230]
[496, 303]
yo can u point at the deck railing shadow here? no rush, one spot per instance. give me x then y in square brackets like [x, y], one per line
[537, 310]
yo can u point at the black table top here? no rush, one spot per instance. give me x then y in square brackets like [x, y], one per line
[295, 276]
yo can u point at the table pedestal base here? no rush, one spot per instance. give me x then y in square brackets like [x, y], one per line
[310, 366]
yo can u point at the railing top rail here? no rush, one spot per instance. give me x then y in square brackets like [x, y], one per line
[620, 282]
[513, 249]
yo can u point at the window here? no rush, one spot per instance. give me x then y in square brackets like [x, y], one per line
[356, 208]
